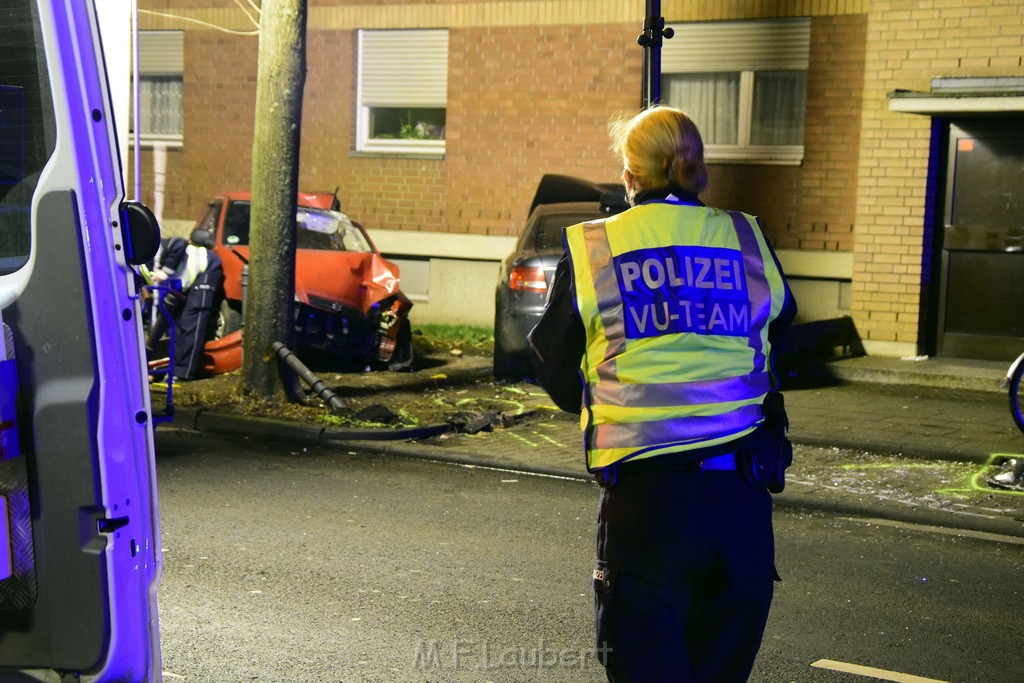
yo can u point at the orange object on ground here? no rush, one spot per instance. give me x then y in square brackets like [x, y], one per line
[223, 355]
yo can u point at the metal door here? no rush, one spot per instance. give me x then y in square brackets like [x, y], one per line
[79, 537]
[981, 311]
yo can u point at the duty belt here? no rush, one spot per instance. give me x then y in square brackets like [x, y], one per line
[672, 462]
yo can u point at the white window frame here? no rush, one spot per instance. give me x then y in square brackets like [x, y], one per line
[744, 47]
[400, 68]
[161, 54]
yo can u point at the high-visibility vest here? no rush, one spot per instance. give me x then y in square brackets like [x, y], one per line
[676, 300]
[196, 261]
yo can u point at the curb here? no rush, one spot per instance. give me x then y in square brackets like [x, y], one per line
[398, 444]
[959, 375]
[202, 420]
[945, 518]
[880, 447]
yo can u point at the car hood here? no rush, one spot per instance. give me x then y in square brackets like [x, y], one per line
[352, 279]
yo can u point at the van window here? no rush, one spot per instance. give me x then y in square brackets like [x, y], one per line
[27, 127]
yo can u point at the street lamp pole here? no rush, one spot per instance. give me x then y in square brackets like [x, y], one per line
[650, 40]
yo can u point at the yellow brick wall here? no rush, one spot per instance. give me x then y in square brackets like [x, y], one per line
[811, 206]
[908, 43]
[528, 100]
[219, 99]
[399, 193]
[532, 85]
[862, 185]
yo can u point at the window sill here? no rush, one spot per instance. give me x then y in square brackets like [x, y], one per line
[154, 141]
[388, 154]
[779, 156]
[752, 161]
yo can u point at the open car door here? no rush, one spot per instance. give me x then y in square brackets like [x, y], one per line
[79, 534]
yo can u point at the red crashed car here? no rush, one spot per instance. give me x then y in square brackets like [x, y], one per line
[347, 298]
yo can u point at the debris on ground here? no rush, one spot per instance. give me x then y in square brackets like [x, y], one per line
[473, 422]
[440, 389]
[377, 413]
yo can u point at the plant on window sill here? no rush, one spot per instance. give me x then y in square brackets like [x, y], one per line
[415, 131]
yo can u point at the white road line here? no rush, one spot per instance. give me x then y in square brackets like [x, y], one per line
[871, 672]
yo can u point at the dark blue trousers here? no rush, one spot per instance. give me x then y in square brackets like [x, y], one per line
[685, 575]
[192, 324]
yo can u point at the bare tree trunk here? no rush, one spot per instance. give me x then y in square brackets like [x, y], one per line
[275, 169]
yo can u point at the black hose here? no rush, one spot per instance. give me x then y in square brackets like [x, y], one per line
[335, 402]
[314, 382]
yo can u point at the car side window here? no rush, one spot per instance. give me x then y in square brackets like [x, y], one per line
[308, 239]
[236, 224]
[208, 221]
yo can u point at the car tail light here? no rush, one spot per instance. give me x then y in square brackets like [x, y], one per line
[527, 279]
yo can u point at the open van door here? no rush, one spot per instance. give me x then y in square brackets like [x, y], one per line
[79, 533]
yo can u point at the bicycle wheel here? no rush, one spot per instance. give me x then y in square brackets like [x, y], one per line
[1016, 394]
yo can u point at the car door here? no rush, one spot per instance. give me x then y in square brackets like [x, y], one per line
[79, 534]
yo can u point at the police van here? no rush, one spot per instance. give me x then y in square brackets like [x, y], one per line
[79, 533]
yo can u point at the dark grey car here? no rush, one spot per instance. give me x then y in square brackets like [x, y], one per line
[526, 274]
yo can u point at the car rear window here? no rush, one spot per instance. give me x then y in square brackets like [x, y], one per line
[548, 231]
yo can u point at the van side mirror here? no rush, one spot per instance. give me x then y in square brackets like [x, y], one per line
[140, 233]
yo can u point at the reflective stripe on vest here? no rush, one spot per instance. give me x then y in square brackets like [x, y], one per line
[610, 392]
[196, 261]
[630, 410]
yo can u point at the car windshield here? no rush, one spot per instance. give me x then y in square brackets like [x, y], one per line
[548, 231]
[317, 229]
[328, 230]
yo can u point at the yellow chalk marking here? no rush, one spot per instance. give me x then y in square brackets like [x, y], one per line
[526, 441]
[549, 439]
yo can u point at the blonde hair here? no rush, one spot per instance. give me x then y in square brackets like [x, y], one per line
[660, 146]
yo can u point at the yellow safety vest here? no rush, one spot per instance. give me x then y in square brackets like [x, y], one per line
[676, 300]
[196, 261]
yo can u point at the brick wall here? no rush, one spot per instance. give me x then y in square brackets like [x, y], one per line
[219, 86]
[528, 95]
[811, 206]
[395, 193]
[828, 192]
[908, 43]
[524, 101]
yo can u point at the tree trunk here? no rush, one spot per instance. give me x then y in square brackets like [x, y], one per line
[275, 169]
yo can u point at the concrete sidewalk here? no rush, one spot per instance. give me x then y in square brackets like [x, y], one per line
[905, 441]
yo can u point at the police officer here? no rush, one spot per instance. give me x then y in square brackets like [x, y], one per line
[660, 331]
[200, 274]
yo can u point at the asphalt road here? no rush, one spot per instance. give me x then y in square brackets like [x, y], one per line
[285, 565]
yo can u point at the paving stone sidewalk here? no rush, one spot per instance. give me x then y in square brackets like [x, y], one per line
[875, 438]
